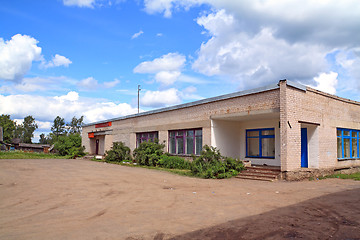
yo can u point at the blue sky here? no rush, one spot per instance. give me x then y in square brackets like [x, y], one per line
[86, 57]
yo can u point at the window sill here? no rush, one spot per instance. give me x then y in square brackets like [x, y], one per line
[347, 159]
[260, 157]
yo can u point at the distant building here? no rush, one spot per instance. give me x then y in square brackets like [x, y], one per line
[288, 125]
[30, 147]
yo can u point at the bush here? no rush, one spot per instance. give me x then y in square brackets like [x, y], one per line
[149, 153]
[69, 145]
[174, 162]
[211, 164]
[119, 152]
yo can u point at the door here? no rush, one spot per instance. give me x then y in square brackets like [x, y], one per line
[97, 147]
[304, 148]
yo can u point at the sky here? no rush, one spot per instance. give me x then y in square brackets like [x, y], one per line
[87, 57]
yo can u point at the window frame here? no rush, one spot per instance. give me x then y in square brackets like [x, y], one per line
[260, 137]
[184, 139]
[147, 137]
[351, 139]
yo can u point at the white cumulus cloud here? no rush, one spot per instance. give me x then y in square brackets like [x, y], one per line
[17, 55]
[326, 82]
[57, 61]
[166, 68]
[161, 98]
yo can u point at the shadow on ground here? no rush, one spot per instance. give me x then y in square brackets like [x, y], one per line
[333, 216]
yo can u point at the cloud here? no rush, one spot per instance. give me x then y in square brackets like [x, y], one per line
[17, 55]
[111, 84]
[80, 3]
[326, 82]
[167, 77]
[47, 108]
[168, 62]
[161, 98]
[57, 61]
[166, 68]
[254, 42]
[254, 60]
[43, 125]
[159, 34]
[89, 83]
[136, 35]
[70, 96]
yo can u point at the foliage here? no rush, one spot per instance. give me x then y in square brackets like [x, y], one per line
[58, 127]
[75, 125]
[8, 126]
[211, 164]
[149, 153]
[43, 139]
[29, 126]
[69, 145]
[119, 152]
[355, 176]
[27, 155]
[173, 162]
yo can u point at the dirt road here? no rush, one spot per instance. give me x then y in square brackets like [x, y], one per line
[79, 199]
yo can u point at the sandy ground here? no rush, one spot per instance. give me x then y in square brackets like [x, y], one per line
[80, 199]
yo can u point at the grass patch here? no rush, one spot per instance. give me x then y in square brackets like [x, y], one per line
[182, 172]
[354, 176]
[28, 155]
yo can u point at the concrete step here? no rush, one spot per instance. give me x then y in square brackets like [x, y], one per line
[255, 178]
[264, 173]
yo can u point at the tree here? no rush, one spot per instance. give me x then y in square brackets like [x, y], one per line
[58, 127]
[69, 145]
[43, 139]
[75, 125]
[29, 126]
[8, 126]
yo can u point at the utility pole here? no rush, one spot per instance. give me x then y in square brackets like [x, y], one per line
[139, 89]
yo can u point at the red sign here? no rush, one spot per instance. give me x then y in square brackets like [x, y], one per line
[91, 135]
[106, 124]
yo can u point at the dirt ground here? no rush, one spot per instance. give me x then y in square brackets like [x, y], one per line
[80, 199]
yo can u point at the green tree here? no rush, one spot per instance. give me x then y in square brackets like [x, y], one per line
[69, 145]
[58, 127]
[29, 126]
[8, 126]
[43, 139]
[75, 125]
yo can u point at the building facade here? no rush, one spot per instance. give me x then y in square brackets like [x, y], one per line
[288, 125]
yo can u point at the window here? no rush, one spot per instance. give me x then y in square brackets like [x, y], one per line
[260, 143]
[145, 137]
[348, 141]
[187, 141]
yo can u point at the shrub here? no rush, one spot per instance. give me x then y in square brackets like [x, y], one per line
[211, 164]
[119, 152]
[69, 145]
[174, 162]
[149, 153]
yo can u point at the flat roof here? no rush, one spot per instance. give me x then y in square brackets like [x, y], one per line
[204, 101]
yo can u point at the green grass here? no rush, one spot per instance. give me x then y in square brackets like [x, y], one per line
[355, 176]
[27, 155]
[183, 172]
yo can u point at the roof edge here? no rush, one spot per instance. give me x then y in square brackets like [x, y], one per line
[195, 103]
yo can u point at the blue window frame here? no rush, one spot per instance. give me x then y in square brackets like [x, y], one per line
[348, 141]
[260, 143]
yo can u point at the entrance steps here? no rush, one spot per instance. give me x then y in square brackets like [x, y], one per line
[262, 173]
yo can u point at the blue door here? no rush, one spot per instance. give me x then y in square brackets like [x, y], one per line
[304, 148]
